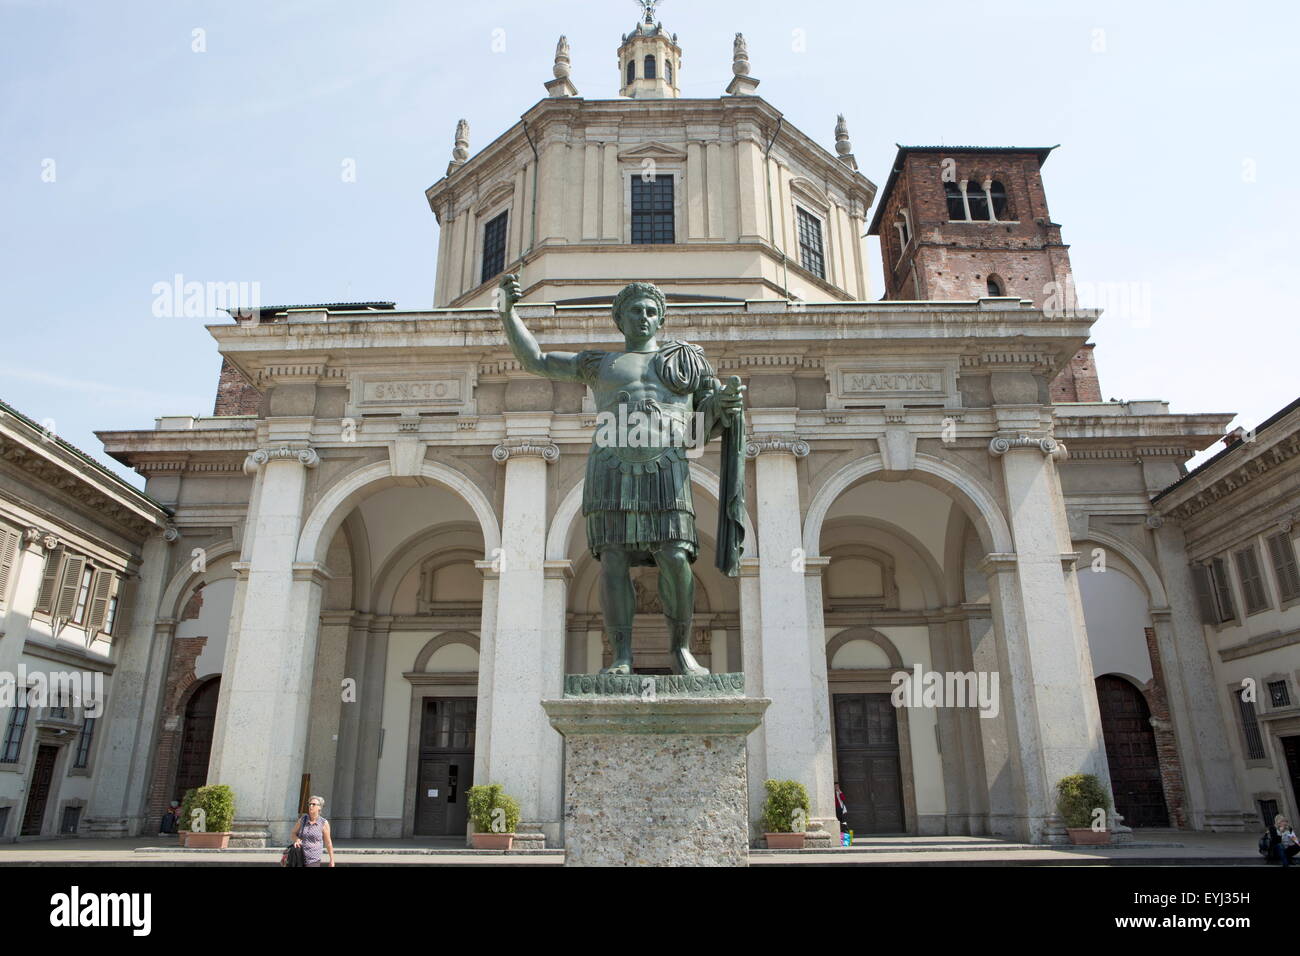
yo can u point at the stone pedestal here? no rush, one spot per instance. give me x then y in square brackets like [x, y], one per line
[654, 769]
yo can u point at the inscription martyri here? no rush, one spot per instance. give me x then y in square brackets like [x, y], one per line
[862, 382]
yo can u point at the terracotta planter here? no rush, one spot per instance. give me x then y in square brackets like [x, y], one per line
[207, 841]
[182, 834]
[493, 841]
[785, 841]
[1086, 836]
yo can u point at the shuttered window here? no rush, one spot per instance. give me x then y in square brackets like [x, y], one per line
[1205, 594]
[69, 584]
[99, 599]
[49, 581]
[1222, 589]
[8, 558]
[1252, 581]
[83, 743]
[1282, 553]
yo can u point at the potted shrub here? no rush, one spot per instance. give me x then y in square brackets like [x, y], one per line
[183, 821]
[218, 805]
[785, 814]
[495, 815]
[1078, 797]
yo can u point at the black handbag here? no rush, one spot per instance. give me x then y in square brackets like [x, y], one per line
[293, 855]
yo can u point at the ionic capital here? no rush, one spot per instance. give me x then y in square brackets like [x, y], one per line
[784, 444]
[524, 448]
[1048, 445]
[307, 457]
[39, 538]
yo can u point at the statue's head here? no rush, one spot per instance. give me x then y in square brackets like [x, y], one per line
[639, 311]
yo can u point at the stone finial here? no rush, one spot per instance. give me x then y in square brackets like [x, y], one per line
[842, 144]
[561, 85]
[742, 83]
[561, 69]
[739, 56]
[461, 151]
[843, 147]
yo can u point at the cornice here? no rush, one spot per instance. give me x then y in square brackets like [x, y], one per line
[1226, 482]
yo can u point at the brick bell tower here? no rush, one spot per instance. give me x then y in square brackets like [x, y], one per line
[962, 222]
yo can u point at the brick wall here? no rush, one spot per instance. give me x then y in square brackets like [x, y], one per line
[1171, 768]
[235, 394]
[180, 677]
[953, 260]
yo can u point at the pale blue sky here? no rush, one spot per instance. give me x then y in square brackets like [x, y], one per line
[1176, 169]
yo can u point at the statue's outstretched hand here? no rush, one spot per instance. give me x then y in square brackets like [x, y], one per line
[510, 293]
[731, 399]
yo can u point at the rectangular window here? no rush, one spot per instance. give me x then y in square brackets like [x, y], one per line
[45, 597]
[652, 210]
[1282, 553]
[1278, 694]
[83, 595]
[13, 741]
[1250, 727]
[83, 743]
[110, 615]
[1222, 589]
[1268, 810]
[1252, 581]
[71, 819]
[494, 246]
[8, 555]
[810, 243]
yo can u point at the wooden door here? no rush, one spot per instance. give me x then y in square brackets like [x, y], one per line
[196, 740]
[38, 794]
[446, 766]
[867, 759]
[1131, 753]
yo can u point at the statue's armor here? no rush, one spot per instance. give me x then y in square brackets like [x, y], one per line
[638, 497]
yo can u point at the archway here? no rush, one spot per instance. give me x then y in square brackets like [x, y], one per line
[1131, 753]
[196, 738]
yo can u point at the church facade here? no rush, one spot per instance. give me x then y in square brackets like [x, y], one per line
[378, 567]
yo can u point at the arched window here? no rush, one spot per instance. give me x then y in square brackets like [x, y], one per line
[996, 286]
[650, 73]
[631, 71]
[999, 196]
[668, 71]
[956, 208]
[978, 202]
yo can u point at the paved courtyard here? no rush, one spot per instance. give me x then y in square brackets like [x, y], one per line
[1152, 848]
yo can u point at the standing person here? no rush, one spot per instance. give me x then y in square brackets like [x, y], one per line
[1288, 843]
[169, 819]
[311, 831]
[841, 810]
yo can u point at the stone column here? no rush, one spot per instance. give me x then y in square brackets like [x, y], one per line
[342, 800]
[523, 753]
[752, 200]
[695, 191]
[327, 703]
[751, 642]
[1213, 797]
[713, 166]
[797, 726]
[370, 701]
[117, 802]
[261, 734]
[1059, 667]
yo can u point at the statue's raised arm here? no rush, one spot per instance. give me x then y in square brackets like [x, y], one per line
[557, 365]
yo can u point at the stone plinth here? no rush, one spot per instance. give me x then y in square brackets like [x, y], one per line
[654, 770]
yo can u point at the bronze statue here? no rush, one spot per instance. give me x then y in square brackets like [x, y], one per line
[656, 400]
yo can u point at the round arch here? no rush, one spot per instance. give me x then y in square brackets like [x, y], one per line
[975, 499]
[868, 634]
[1150, 580]
[435, 644]
[184, 578]
[563, 521]
[339, 501]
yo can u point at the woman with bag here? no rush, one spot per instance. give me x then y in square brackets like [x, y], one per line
[311, 832]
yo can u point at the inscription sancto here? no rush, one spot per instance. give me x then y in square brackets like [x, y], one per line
[387, 393]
